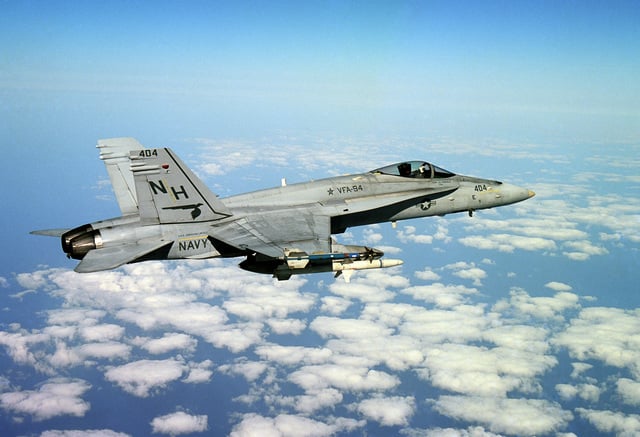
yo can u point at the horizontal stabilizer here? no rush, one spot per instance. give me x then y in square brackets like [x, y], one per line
[115, 154]
[109, 258]
[49, 232]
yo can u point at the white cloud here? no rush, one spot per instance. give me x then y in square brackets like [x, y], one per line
[434, 326]
[445, 296]
[142, 377]
[392, 411]
[398, 352]
[317, 400]
[291, 355]
[56, 397]
[487, 372]
[101, 332]
[629, 391]
[369, 286]
[408, 235]
[344, 377]
[523, 417]
[347, 328]
[587, 392]
[508, 243]
[334, 305]
[105, 350]
[623, 425]
[605, 334]
[287, 326]
[266, 301]
[427, 275]
[83, 433]
[468, 271]
[582, 250]
[524, 305]
[251, 370]
[199, 372]
[579, 369]
[286, 425]
[371, 237]
[473, 431]
[18, 344]
[169, 342]
[558, 286]
[65, 356]
[179, 423]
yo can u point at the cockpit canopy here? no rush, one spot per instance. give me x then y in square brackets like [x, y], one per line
[414, 169]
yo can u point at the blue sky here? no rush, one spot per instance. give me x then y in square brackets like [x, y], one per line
[524, 312]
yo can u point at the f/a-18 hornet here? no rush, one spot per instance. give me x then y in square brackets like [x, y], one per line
[168, 213]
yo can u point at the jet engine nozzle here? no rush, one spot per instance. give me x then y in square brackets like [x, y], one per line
[77, 242]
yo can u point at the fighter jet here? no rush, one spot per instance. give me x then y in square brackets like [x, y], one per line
[169, 213]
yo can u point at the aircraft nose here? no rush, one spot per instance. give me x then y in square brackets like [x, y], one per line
[513, 193]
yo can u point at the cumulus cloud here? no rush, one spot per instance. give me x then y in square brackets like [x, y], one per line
[18, 344]
[472, 431]
[623, 425]
[629, 391]
[582, 250]
[317, 400]
[83, 433]
[370, 286]
[442, 295]
[558, 286]
[334, 305]
[427, 275]
[470, 271]
[102, 332]
[287, 425]
[169, 342]
[141, 378]
[408, 235]
[347, 328]
[587, 392]
[287, 326]
[251, 370]
[487, 372]
[199, 372]
[524, 305]
[605, 334]
[179, 423]
[290, 355]
[508, 242]
[344, 377]
[56, 397]
[524, 417]
[65, 356]
[392, 411]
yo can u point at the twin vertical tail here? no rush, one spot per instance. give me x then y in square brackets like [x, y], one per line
[168, 191]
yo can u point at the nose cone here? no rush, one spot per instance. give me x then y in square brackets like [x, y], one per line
[513, 194]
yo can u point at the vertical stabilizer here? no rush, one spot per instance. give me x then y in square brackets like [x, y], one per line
[115, 154]
[169, 192]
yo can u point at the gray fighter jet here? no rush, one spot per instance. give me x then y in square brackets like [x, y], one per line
[168, 213]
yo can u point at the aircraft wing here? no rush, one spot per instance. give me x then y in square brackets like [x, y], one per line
[272, 232]
[108, 258]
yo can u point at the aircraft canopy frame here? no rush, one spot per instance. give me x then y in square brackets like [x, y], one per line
[415, 170]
